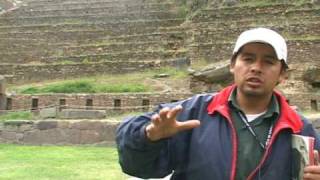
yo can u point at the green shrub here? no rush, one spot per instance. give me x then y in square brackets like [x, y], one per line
[22, 115]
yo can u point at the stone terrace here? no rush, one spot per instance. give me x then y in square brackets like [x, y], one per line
[213, 32]
[57, 38]
[83, 32]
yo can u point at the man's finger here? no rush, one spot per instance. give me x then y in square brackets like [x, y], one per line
[190, 124]
[312, 169]
[311, 176]
[164, 113]
[172, 114]
[155, 119]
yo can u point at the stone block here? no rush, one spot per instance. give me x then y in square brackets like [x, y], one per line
[88, 125]
[82, 114]
[9, 135]
[25, 127]
[44, 125]
[61, 132]
[48, 112]
[109, 133]
[90, 137]
[64, 124]
[52, 136]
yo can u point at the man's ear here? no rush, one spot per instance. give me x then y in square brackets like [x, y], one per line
[231, 69]
[231, 66]
[284, 75]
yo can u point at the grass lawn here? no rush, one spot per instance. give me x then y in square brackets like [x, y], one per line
[59, 162]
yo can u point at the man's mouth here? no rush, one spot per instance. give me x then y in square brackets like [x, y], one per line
[254, 81]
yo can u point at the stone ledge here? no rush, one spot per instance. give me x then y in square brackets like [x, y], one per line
[60, 132]
[82, 114]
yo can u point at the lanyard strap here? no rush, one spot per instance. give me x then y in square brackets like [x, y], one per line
[253, 133]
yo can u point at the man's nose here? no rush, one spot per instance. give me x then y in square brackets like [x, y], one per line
[256, 66]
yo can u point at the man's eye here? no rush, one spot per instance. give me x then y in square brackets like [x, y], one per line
[247, 59]
[270, 62]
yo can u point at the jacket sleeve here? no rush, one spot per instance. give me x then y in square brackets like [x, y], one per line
[137, 155]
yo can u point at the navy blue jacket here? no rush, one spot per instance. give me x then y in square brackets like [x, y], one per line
[207, 152]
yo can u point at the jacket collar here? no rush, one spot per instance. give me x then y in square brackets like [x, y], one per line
[288, 117]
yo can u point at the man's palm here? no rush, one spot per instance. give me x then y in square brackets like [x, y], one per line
[165, 124]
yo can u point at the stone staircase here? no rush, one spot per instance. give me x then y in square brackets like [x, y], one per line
[44, 32]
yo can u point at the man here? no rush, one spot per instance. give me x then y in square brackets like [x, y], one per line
[242, 132]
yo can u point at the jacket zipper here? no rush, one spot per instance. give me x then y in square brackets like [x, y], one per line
[234, 144]
[234, 151]
[253, 173]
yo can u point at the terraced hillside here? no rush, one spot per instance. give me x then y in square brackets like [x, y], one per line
[45, 39]
[213, 32]
[56, 39]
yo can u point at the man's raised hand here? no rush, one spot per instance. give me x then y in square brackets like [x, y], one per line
[165, 124]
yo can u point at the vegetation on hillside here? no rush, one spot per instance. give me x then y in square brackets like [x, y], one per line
[193, 5]
[85, 86]
[135, 82]
[19, 115]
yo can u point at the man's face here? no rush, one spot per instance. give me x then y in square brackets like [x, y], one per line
[256, 70]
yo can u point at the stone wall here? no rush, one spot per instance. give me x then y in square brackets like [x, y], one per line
[5, 5]
[61, 132]
[110, 102]
[58, 132]
[43, 40]
[16, 74]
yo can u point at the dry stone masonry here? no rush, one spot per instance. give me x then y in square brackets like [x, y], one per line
[58, 39]
[61, 132]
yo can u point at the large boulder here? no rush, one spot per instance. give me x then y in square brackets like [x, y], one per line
[217, 73]
[312, 76]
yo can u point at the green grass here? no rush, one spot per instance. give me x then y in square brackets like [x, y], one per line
[59, 162]
[22, 115]
[117, 83]
[85, 86]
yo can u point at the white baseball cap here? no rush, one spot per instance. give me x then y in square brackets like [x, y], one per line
[263, 35]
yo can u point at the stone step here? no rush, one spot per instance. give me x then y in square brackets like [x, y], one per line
[67, 38]
[88, 18]
[24, 73]
[44, 50]
[304, 50]
[128, 27]
[179, 35]
[125, 55]
[65, 10]
[16, 58]
[22, 42]
[271, 11]
[105, 5]
[160, 36]
[53, 2]
[211, 33]
[170, 34]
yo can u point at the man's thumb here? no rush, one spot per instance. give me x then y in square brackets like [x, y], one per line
[190, 124]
